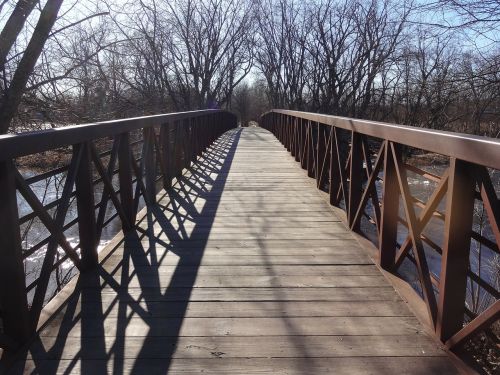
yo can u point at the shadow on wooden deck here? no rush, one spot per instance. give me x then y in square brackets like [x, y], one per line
[138, 256]
[240, 268]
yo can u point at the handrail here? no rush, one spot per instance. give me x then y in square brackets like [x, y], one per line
[122, 160]
[359, 161]
[471, 148]
[15, 145]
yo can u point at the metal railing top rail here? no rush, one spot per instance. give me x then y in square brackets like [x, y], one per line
[22, 144]
[475, 149]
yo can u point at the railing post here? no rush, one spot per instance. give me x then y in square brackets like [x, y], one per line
[85, 207]
[150, 164]
[390, 208]
[310, 150]
[186, 135]
[456, 247]
[334, 168]
[195, 140]
[166, 155]
[355, 179]
[178, 149]
[289, 134]
[320, 154]
[185, 143]
[202, 131]
[302, 143]
[125, 178]
[13, 301]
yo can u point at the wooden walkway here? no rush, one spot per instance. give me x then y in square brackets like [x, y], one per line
[248, 271]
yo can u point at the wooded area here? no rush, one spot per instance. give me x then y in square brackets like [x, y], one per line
[432, 64]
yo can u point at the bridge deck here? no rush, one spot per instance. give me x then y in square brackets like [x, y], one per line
[248, 271]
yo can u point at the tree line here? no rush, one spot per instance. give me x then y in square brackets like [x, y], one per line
[65, 62]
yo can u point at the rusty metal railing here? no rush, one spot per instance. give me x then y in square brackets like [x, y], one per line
[365, 168]
[120, 162]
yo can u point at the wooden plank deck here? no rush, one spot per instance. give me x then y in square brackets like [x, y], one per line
[243, 268]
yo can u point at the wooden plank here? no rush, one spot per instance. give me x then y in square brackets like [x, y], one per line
[211, 281]
[169, 258]
[236, 251]
[301, 326]
[247, 223]
[251, 366]
[305, 244]
[278, 270]
[238, 347]
[255, 235]
[254, 309]
[320, 230]
[248, 294]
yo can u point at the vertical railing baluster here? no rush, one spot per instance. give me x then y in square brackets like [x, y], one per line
[125, 179]
[303, 147]
[84, 189]
[200, 134]
[166, 155]
[320, 153]
[13, 300]
[456, 246]
[297, 138]
[390, 208]
[187, 143]
[289, 134]
[310, 149]
[177, 151]
[150, 165]
[334, 168]
[355, 180]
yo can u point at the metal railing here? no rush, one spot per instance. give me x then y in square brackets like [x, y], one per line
[119, 161]
[363, 165]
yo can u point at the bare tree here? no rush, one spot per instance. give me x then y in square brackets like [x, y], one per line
[211, 49]
[14, 84]
[281, 53]
[356, 41]
[249, 101]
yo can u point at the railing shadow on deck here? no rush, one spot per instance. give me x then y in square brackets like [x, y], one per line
[160, 232]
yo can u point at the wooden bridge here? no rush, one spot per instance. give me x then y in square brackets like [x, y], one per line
[242, 262]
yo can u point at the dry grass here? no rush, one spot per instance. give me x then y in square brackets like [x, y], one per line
[483, 350]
